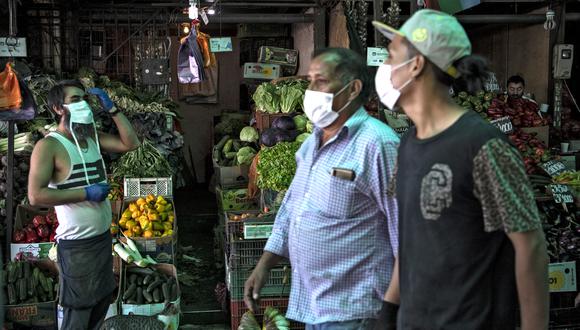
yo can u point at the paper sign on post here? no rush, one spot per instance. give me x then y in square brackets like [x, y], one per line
[376, 56]
[562, 276]
[504, 124]
[204, 17]
[553, 167]
[562, 194]
[217, 45]
[12, 47]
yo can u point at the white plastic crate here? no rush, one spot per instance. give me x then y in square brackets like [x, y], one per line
[137, 187]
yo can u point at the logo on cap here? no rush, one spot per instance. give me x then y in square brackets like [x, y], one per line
[419, 35]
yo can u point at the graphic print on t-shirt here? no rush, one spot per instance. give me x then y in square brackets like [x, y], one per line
[436, 191]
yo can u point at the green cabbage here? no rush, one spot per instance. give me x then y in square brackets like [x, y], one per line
[249, 134]
[300, 122]
[245, 155]
[302, 137]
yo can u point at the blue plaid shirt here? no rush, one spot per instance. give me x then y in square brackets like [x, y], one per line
[341, 236]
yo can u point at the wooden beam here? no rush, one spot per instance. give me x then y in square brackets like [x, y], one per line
[319, 28]
[377, 13]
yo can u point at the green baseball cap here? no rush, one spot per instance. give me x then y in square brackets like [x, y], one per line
[436, 35]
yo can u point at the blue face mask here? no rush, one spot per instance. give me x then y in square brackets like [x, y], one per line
[81, 114]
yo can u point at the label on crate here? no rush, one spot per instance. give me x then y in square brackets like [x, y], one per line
[561, 194]
[553, 167]
[376, 56]
[504, 124]
[257, 231]
[562, 276]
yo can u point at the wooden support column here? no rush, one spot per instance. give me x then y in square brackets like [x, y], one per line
[319, 28]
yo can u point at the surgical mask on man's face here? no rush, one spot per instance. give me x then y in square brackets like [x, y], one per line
[318, 107]
[81, 116]
[388, 94]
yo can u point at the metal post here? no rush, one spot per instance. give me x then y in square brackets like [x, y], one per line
[10, 188]
[377, 13]
[319, 28]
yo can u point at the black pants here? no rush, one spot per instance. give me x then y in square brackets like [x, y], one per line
[90, 318]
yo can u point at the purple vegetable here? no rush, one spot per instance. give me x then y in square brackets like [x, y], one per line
[284, 122]
[268, 137]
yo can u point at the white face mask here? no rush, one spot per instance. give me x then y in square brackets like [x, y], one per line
[318, 107]
[389, 94]
[81, 113]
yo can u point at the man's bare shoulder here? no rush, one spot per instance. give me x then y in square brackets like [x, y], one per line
[48, 145]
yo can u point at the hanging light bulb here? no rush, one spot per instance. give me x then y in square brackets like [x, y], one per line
[193, 11]
[185, 28]
[211, 11]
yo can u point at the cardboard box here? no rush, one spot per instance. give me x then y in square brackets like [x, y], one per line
[542, 133]
[35, 315]
[24, 215]
[159, 248]
[152, 309]
[261, 71]
[232, 176]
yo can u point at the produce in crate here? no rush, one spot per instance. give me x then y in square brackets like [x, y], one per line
[147, 286]
[25, 283]
[273, 320]
[562, 231]
[249, 134]
[233, 152]
[522, 112]
[130, 253]
[532, 149]
[285, 96]
[41, 229]
[148, 217]
[479, 102]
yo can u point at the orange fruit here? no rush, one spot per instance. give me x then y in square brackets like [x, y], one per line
[130, 224]
[141, 201]
[128, 233]
[133, 207]
[147, 234]
[136, 214]
[137, 230]
[153, 217]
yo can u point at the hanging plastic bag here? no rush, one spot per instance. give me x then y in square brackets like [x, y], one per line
[27, 109]
[10, 97]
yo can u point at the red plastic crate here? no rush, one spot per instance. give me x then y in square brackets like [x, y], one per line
[238, 308]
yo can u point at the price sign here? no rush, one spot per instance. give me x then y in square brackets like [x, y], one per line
[562, 277]
[553, 167]
[204, 17]
[217, 45]
[504, 124]
[401, 130]
[376, 56]
[562, 194]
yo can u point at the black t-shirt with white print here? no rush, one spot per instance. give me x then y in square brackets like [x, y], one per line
[459, 193]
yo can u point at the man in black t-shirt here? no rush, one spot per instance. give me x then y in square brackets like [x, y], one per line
[471, 246]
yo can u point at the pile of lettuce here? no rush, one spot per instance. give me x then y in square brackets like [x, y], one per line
[277, 166]
[283, 97]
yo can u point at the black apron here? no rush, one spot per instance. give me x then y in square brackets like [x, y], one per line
[86, 271]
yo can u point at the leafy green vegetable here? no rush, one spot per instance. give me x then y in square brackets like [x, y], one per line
[277, 166]
[290, 97]
[249, 134]
[267, 98]
[309, 127]
[144, 162]
[245, 155]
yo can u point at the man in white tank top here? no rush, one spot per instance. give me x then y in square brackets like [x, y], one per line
[67, 171]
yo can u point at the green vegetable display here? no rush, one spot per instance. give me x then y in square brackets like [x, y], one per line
[277, 166]
[144, 162]
[302, 137]
[249, 134]
[286, 96]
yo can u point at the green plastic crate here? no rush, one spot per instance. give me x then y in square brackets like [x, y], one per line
[278, 284]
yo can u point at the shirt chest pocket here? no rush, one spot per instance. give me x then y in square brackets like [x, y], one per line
[335, 197]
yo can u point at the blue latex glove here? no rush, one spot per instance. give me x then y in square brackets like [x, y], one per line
[104, 98]
[97, 192]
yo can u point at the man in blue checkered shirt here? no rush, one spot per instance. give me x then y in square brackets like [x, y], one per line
[338, 221]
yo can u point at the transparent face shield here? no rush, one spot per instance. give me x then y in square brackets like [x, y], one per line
[81, 126]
